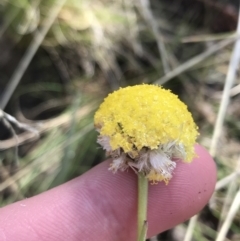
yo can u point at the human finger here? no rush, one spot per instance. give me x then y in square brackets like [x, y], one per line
[101, 205]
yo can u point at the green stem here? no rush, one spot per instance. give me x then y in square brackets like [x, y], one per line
[142, 206]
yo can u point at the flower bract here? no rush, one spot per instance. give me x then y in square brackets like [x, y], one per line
[146, 127]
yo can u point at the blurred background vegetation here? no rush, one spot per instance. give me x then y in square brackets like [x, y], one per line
[59, 59]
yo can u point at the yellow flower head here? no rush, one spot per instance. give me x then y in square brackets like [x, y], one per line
[145, 127]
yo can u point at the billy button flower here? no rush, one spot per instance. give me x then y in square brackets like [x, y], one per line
[146, 128]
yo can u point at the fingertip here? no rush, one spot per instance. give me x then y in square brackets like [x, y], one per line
[187, 193]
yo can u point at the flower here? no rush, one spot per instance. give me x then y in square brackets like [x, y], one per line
[146, 128]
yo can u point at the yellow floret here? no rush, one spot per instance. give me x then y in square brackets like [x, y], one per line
[145, 116]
